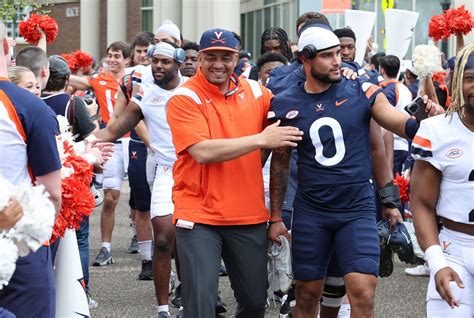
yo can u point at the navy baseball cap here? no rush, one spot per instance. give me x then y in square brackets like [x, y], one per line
[218, 39]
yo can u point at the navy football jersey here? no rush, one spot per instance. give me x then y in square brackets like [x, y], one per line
[334, 153]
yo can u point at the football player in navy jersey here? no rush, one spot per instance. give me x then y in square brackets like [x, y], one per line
[334, 290]
[334, 209]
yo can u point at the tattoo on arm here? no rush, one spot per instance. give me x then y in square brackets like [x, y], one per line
[127, 120]
[279, 175]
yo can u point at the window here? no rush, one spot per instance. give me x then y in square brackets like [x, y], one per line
[12, 26]
[147, 15]
[273, 13]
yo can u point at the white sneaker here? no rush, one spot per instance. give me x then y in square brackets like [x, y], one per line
[92, 303]
[420, 270]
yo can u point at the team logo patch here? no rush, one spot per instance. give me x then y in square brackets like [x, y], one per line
[103, 83]
[319, 107]
[454, 153]
[446, 245]
[340, 102]
[157, 100]
[291, 114]
[271, 114]
[218, 38]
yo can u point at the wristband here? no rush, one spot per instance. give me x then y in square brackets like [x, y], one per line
[90, 158]
[390, 196]
[80, 147]
[435, 257]
[90, 138]
[275, 220]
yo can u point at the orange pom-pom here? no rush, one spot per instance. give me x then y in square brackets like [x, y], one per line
[77, 200]
[403, 185]
[437, 28]
[83, 59]
[71, 61]
[29, 28]
[459, 20]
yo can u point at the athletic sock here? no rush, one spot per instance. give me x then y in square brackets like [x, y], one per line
[145, 250]
[107, 245]
[164, 308]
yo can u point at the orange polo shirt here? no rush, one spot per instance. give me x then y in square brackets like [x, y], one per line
[225, 193]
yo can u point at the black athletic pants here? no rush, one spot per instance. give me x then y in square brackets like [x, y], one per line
[243, 249]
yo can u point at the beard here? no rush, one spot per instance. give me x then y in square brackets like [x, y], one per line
[165, 79]
[325, 78]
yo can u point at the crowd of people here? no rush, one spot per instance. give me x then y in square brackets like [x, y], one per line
[224, 156]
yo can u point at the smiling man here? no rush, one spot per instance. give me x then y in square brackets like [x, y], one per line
[218, 126]
[334, 207]
[149, 105]
[105, 87]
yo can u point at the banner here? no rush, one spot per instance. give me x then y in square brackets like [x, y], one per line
[399, 29]
[361, 22]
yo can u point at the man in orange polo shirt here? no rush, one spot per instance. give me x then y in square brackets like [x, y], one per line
[218, 124]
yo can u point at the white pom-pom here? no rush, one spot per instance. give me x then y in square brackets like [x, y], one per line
[426, 60]
[65, 129]
[8, 257]
[36, 225]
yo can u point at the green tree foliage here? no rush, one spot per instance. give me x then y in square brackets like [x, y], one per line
[10, 10]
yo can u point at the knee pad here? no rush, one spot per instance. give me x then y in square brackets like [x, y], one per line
[333, 292]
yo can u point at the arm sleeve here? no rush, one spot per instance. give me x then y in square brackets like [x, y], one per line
[41, 148]
[424, 145]
[187, 122]
[83, 123]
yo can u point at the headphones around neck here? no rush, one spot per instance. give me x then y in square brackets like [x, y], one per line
[178, 55]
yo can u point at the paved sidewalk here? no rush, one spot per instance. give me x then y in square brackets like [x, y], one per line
[120, 294]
